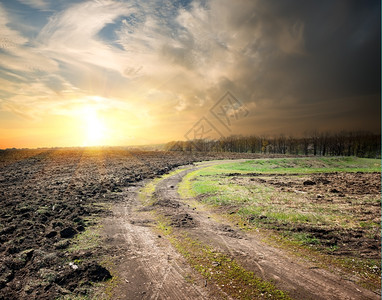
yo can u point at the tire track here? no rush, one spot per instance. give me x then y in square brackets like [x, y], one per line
[297, 277]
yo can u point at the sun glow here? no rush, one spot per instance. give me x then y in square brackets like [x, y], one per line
[94, 128]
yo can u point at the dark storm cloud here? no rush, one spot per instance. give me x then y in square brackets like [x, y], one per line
[297, 65]
[305, 52]
[343, 42]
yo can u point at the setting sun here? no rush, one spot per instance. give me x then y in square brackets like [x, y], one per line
[94, 128]
[117, 73]
[117, 116]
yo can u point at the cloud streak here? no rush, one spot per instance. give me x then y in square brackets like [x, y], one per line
[292, 63]
[39, 4]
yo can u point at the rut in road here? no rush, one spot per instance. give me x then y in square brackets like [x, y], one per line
[153, 275]
[146, 265]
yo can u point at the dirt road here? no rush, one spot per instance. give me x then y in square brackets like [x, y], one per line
[49, 199]
[149, 267]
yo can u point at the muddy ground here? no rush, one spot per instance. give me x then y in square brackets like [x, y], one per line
[354, 195]
[149, 268]
[47, 198]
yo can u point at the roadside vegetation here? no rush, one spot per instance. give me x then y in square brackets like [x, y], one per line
[49, 199]
[327, 208]
[228, 275]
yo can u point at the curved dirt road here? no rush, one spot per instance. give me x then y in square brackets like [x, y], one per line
[148, 267]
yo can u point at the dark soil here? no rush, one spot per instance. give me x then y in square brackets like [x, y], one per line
[300, 278]
[47, 198]
[182, 220]
[351, 193]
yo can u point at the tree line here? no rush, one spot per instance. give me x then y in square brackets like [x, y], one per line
[361, 144]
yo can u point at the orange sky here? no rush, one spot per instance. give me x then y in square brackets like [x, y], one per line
[135, 72]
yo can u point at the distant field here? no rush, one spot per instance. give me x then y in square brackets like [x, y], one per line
[49, 201]
[328, 204]
[305, 165]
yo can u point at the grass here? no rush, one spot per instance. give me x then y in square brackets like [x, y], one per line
[227, 274]
[217, 267]
[106, 289]
[90, 240]
[146, 193]
[258, 200]
[367, 271]
[251, 204]
[304, 165]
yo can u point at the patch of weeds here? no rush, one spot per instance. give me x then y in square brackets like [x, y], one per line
[217, 267]
[368, 224]
[367, 270]
[204, 186]
[251, 206]
[225, 272]
[185, 186]
[86, 240]
[305, 238]
[145, 193]
[227, 200]
[304, 165]
[112, 283]
[109, 286]
[42, 210]
[164, 226]
[332, 248]
[291, 216]
[105, 290]
[189, 278]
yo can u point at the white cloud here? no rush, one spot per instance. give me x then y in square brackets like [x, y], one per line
[17, 55]
[184, 53]
[40, 4]
[71, 35]
[9, 38]
[176, 62]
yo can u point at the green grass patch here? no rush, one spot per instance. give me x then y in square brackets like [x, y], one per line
[217, 267]
[91, 240]
[91, 237]
[304, 165]
[263, 204]
[87, 240]
[253, 201]
[305, 238]
[251, 204]
[145, 194]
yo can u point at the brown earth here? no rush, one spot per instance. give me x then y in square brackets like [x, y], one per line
[48, 197]
[354, 194]
[150, 268]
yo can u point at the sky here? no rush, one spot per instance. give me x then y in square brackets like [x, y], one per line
[108, 72]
